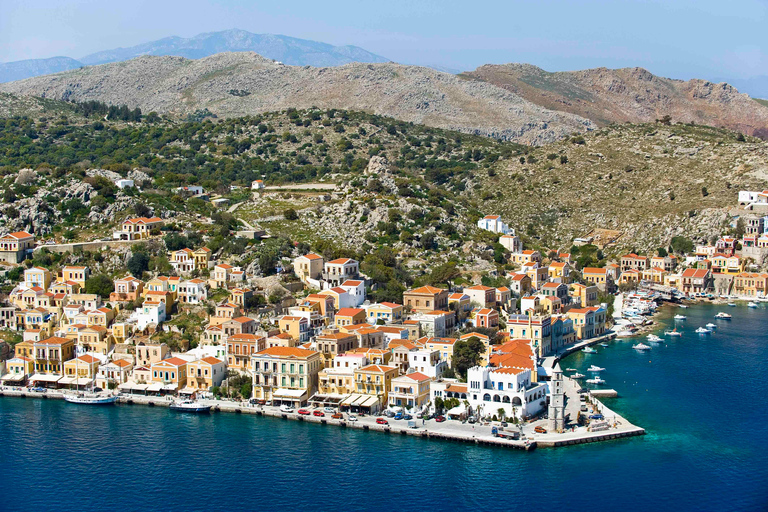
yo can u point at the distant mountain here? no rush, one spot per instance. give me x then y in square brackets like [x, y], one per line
[629, 95]
[21, 69]
[244, 83]
[288, 50]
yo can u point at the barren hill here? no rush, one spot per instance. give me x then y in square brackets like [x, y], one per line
[236, 84]
[631, 94]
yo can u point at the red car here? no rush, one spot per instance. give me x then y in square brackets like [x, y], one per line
[318, 413]
[304, 412]
[382, 421]
[440, 419]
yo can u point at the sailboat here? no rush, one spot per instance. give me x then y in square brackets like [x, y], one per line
[91, 398]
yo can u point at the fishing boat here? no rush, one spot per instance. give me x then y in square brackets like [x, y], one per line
[711, 326]
[189, 406]
[703, 330]
[595, 380]
[578, 375]
[680, 317]
[595, 368]
[673, 332]
[589, 350]
[654, 339]
[752, 305]
[90, 399]
[641, 346]
[723, 316]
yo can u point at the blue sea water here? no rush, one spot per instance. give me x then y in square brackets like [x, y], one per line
[701, 399]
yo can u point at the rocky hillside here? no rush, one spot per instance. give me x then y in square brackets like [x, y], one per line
[629, 95]
[237, 84]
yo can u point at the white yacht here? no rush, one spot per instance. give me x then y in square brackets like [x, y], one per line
[641, 346]
[703, 330]
[711, 326]
[189, 406]
[578, 375]
[589, 350]
[654, 339]
[752, 305]
[682, 306]
[595, 380]
[732, 304]
[723, 316]
[595, 368]
[680, 317]
[90, 399]
[673, 332]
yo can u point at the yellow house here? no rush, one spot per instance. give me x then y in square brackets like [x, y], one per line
[202, 257]
[444, 346]
[655, 275]
[309, 266]
[83, 367]
[51, 353]
[375, 380]
[95, 339]
[410, 390]
[750, 284]
[596, 276]
[75, 274]
[121, 332]
[37, 276]
[559, 271]
[387, 312]
[205, 373]
[350, 316]
[171, 372]
[585, 295]
[285, 375]
[17, 369]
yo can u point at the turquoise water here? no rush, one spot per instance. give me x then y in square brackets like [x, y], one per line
[702, 400]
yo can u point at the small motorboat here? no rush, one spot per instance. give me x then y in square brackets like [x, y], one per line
[589, 350]
[683, 306]
[595, 380]
[752, 305]
[711, 326]
[603, 344]
[641, 346]
[189, 406]
[595, 368]
[673, 332]
[570, 369]
[654, 339]
[723, 316]
[732, 304]
[578, 375]
[90, 399]
[680, 317]
[703, 330]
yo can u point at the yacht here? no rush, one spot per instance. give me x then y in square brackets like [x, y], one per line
[732, 304]
[711, 326]
[654, 339]
[673, 332]
[723, 316]
[589, 350]
[595, 380]
[752, 305]
[189, 406]
[703, 330]
[641, 346]
[683, 306]
[90, 399]
[680, 317]
[578, 375]
[603, 344]
[595, 368]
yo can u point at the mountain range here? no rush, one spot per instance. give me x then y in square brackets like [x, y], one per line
[289, 50]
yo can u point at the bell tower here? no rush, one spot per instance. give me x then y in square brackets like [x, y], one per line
[556, 400]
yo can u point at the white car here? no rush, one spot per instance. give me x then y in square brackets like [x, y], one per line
[286, 408]
[329, 409]
[352, 417]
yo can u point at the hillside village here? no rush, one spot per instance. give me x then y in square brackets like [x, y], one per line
[314, 333]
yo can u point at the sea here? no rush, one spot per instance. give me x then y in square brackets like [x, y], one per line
[701, 398]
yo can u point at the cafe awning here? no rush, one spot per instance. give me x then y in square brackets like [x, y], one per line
[170, 387]
[289, 393]
[187, 391]
[13, 377]
[155, 386]
[40, 377]
[67, 380]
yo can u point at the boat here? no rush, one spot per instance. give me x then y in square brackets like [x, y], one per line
[570, 369]
[589, 350]
[641, 346]
[654, 339]
[190, 406]
[683, 306]
[680, 317]
[732, 304]
[603, 344]
[711, 326]
[90, 399]
[703, 330]
[723, 316]
[595, 380]
[673, 332]
[624, 333]
[578, 375]
[595, 368]
[752, 305]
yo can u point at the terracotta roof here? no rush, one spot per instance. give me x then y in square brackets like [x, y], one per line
[593, 270]
[351, 282]
[286, 352]
[349, 312]
[390, 305]
[87, 358]
[211, 360]
[418, 377]
[175, 361]
[340, 261]
[312, 256]
[426, 290]
[242, 319]
[376, 368]
[121, 362]
[479, 287]
[18, 235]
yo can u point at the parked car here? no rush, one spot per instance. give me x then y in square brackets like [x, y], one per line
[304, 412]
[39, 390]
[382, 421]
[472, 420]
[584, 408]
[440, 418]
[351, 417]
[318, 413]
[329, 409]
[338, 416]
[399, 416]
[596, 417]
[389, 414]
[407, 417]
[286, 408]
[540, 430]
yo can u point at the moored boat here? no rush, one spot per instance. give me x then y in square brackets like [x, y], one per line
[752, 305]
[589, 350]
[595, 368]
[189, 406]
[90, 399]
[595, 380]
[673, 332]
[711, 326]
[680, 317]
[578, 375]
[654, 339]
[703, 330]
[723, 316]
[641, 346]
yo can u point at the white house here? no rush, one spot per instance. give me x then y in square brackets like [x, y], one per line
[191, 190]
[339, 270]
[356, 290]
[510, 389]
[495, 224]
[427, 361]
[512, 243]
[257, 185]
[124, 183]
[432, 323]
[193, 291]
[151, 312]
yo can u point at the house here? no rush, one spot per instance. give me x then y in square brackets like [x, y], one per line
[221, 274]
[633, 261]
[486, 318]
[597, 277]
[584, 295]
[81, 370]
[138, 228]
[193, 291]
[654, 275]
[726, 264]
[150, 353]
[410, 391]
[444, 348]
[239, 325]
[257, 185]
[183, 261]
[333, 344]
[18, 369]
[504, 298]
[37, 277]
[341, 297]
[75, 274]
[523, 257]
[507, 389]
[748, 284]
[668, 263]
[375, 380]
[14, 247]
[94, 339]
[539, 275]
[339, 270]
[520, 284]
[695, 280]
[339, 379]
[124, 183]
[631, 277]
[151, 312]
[50, 355]
[483, 296]
[240, 348]
[355, 289]
[426, 299]
[559, 272]
[494, 223]
[511, 243]
[350, 316]
[114, 373]
[168, 375]
[557, 290]
[384, 312]
[461, 304]
[583, 322]
[434, 323]
[127, 289]
[295, 326]
[225, 311]
[533, 327]
[309, 266]
[190, 191]
[205, 373]
[285, 375]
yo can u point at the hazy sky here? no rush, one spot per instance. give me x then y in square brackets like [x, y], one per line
[677, 38]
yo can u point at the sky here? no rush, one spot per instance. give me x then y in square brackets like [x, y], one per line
[675, 38]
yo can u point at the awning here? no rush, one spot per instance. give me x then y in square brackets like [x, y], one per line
[359, 400]
[155, 386]
[458, 410]
[187, 391]
[39, 377]
[289, 393]
[139, 387]
[125, 386]
[67, 380]
[83, 381]
[170, 387]
[13, 377]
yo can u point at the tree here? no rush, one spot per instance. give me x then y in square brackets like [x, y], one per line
[741, 226]
[661, 252]
[100, 284]
[439, 404]
[138, 264]
[290, 214]
[681, 245]
[466, 354]
[142, 210]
